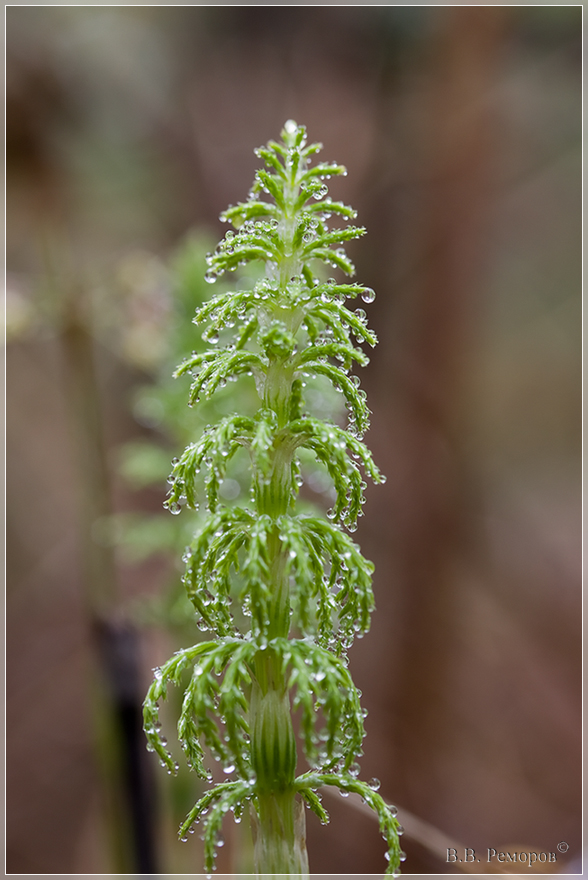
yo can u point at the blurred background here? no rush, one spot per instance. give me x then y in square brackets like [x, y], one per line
[129, 130]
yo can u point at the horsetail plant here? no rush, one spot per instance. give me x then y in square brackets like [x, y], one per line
[282, 592]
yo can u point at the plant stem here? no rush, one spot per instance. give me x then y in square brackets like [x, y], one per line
[278, 817]
[280, 835]
[278, 821]
[114, 694]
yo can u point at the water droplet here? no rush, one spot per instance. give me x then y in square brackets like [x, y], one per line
[230, 768]
[402, 856]
[374, 784]
[290, 126]
[368, 295]
[174, 508]
[399, 830]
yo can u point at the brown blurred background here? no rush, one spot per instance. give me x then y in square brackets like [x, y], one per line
[460, 127]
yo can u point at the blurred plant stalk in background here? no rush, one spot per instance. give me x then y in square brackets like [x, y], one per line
[114, 692]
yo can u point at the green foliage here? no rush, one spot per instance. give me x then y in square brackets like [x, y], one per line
[283, 591]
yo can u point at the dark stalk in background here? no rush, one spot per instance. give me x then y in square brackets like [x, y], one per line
[128, 804]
